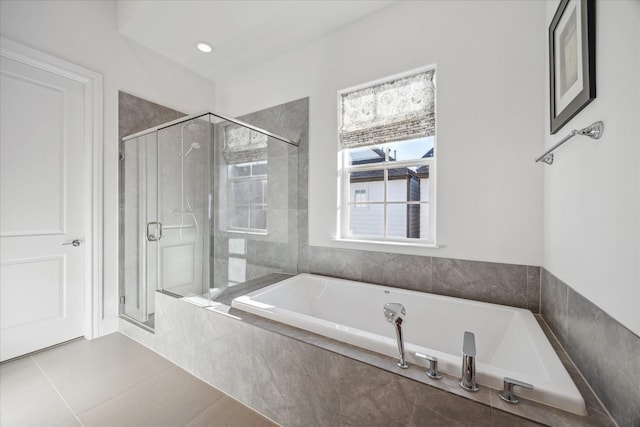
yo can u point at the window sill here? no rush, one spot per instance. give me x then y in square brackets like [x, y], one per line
[387, 243]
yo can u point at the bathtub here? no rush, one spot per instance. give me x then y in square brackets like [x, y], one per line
[509, 341]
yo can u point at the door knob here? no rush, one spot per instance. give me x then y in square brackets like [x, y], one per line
[74, 243]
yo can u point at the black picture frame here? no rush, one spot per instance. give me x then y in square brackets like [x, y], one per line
[572, 60]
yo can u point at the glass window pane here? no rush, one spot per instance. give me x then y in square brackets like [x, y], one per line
[367, 222]
[236, 171]
[397, 221]
[365, 155]
[412, 149]
[239, 193]
[424, 221]
[259, 168]
[405, 185]
[259, 191]
[371, 182]
[258, 218]
[239, 217]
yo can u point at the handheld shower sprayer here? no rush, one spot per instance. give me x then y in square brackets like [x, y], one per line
[395, 313]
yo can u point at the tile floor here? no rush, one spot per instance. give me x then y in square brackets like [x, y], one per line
[112, 381]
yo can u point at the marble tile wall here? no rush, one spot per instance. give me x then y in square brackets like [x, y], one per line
[605, 351]
[280, 249]
[137, 114]
[514, 285]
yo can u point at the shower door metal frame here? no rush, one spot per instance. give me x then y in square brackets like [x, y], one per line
[143, 243]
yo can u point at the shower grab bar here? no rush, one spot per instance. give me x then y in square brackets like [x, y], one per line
[593, 131]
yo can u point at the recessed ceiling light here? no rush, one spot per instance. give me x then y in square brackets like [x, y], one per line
[204, 47]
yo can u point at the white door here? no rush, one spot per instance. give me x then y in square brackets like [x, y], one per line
[43, 191]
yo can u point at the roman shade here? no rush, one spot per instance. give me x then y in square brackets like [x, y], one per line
[395, 110]
[243, 145]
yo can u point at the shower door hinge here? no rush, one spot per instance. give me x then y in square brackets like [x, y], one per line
[122, 299]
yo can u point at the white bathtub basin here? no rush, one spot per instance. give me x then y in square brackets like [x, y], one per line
[509, 341]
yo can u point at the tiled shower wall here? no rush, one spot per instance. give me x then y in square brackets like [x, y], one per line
[137, 114]
[278, 250]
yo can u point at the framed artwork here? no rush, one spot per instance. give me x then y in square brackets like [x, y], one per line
[572, 60]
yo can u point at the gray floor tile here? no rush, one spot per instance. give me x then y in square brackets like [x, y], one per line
[169, 399]
[87, 373]
[228, 412]
[27, 398]
[111, 381]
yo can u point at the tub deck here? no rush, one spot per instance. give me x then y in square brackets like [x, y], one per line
[509, 340]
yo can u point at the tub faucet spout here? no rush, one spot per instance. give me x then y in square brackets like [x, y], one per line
[468, 380]
[395, 313]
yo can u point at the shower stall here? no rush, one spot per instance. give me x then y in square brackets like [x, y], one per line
[208, 202]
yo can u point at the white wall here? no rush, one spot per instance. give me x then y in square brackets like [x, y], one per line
[85, 33]
[490, 80]
[592, 191]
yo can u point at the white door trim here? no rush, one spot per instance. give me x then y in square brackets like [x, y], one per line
[93, 90]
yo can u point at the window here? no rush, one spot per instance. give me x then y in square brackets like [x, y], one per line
[360, 197]
[247, 190]
[387, 141]
[245, 153]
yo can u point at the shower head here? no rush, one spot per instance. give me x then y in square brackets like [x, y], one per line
[194, 146]
[394, 312]
[191, 126]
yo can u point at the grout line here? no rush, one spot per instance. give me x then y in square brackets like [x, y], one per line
[540, 291]
[56, 390]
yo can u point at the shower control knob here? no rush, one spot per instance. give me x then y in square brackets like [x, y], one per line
[74, 243]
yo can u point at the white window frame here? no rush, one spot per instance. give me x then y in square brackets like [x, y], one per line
[344, 169]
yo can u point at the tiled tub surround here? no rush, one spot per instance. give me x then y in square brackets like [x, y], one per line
[298, 378]
[606, 352]
[508, 340]
[507, 284]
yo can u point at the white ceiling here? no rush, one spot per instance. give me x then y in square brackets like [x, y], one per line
[243, 32]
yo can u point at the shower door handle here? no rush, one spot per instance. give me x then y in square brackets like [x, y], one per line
[154, 231]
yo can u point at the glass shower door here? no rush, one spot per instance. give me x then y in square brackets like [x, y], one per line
[183, 207]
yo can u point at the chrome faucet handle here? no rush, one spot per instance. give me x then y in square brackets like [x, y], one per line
[432, 370]
[468, 379]
[469, 344]
[507, 393]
